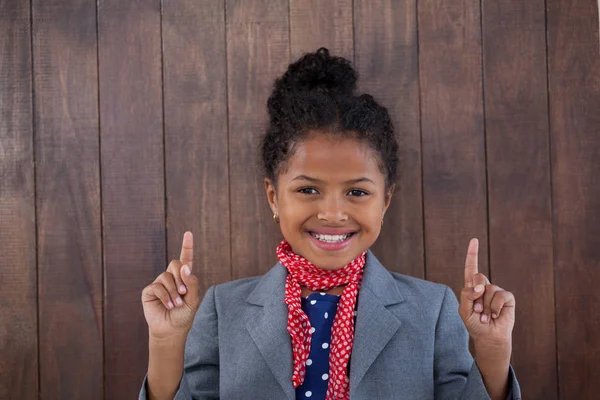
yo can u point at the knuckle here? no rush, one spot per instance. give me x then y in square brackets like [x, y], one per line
[158, 287]
[174, 265]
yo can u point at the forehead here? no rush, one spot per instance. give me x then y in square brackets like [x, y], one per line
[332, 157]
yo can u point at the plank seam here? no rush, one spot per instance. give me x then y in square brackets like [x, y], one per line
[102, 255]
[551, 196]
[35, 200]
[164, 134]
[424, 252]
[228, 139]
[353, 35]
[485, 148]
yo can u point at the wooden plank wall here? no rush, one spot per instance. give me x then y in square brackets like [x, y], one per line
[123, 124]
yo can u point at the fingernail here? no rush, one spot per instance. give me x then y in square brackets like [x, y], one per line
[182, 289]
[178, 301]
[484, 318]
[186, 270]
[170, 305]
[478, 307]
[479, 288]
[494, 316]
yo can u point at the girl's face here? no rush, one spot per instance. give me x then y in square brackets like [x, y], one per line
[331, 199]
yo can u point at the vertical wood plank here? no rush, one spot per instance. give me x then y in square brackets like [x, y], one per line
[388, 68]
[68, 199]
[197, 174]
[18, 276]
[132, 181]
[574, 84]
[321, 23]
[257, 53]
[453, 152]
[520, 216]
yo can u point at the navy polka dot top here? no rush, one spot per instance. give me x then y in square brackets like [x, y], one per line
[320, 309]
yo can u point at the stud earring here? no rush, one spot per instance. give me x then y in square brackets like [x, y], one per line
[276, 218]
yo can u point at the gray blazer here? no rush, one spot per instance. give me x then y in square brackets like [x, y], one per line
[410, 342]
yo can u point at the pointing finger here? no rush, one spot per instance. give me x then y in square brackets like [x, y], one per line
[471, 262]
[187, 249]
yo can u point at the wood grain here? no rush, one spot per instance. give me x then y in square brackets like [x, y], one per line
[321, 23]
[519, 195]
[68, 199]
[132, 181]
[388, 67]
[453, 140]
[257, 53]
[18, 275]
[197, 170]
[574, 84]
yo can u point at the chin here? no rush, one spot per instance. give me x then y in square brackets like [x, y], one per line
[333, 262]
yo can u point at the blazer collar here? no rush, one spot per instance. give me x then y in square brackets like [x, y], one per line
[375, 324]
[268, 328]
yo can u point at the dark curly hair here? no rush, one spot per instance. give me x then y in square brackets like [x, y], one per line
[317, 93]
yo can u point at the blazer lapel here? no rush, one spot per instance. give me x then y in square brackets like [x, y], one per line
[375, 324]
[269, 328]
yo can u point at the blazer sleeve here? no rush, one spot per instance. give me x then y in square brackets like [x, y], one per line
[456, 375]
[200, 378]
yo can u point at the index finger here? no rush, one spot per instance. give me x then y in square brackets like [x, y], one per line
[187, 249]
[471, 262]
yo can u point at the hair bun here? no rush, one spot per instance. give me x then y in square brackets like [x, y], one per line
[319, 72]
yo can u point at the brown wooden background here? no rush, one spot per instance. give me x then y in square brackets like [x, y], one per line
[125, 123]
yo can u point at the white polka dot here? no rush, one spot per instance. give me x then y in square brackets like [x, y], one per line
[325, 345]
[324, 377]
[322, 294]
[313, 302]
[308, 394]
[326, 315]
[312, 330]
[309, 362]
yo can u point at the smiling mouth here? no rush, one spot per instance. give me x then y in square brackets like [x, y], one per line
[331, 238]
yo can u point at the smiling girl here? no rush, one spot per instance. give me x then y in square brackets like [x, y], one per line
[328, 321]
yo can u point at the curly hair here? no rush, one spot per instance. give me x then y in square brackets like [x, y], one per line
[317, 93]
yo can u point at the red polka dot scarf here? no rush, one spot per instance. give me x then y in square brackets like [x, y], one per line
[303, 272]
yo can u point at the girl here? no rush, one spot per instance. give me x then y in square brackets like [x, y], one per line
[328, 321]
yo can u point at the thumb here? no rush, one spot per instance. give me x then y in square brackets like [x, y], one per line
[192, 297]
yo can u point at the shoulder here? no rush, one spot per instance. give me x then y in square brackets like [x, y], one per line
[392, 286]
[254, 290]
[418, 288]
[236, 291]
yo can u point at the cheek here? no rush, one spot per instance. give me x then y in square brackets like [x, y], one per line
[294, 212]
[369, 217]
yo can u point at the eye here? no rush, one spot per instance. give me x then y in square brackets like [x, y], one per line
[357, 193]
[308, 190]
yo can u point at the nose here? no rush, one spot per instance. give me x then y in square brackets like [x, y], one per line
[331, 209]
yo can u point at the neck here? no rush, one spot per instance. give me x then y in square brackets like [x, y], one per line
[337, 291]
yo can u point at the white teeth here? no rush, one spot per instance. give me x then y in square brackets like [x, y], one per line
[331, 238]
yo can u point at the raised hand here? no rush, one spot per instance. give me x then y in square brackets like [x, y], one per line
[171, 301]
[487, 310]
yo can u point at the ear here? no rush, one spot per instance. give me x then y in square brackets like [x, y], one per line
[388, 198]
[271, 194]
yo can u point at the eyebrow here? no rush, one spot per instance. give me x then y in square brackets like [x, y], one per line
[351, 181]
